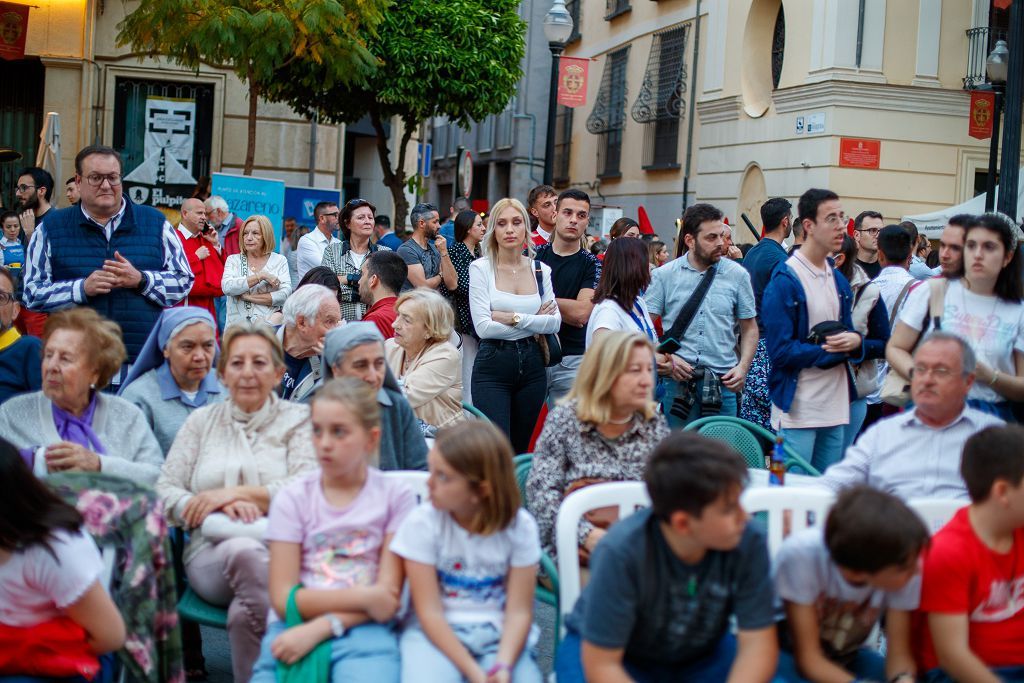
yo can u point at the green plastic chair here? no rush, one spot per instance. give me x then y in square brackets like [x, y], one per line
[475, 412]
[523, 462]
[749, 439]
[194, 608]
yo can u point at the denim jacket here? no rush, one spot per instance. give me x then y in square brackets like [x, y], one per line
[784, 312]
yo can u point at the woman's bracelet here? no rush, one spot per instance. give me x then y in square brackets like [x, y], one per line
[995, 376]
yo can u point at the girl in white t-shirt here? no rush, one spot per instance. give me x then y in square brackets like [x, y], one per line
[471, 556]
[983, 307]
[329, 534]
[618, 300]
[50, 571]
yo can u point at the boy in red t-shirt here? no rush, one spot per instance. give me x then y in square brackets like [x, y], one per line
[973, 584]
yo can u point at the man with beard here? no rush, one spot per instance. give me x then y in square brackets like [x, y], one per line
[426, 252]
[809, 384]
[951, 245]
[574, 276]
[707, 296]
[33, 193]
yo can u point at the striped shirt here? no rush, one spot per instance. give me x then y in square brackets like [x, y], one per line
[164, 287]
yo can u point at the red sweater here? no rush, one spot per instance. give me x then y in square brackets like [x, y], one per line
[382, 314]
[208, 271]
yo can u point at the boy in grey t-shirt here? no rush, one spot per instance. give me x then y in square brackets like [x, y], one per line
[836, 583]
[665, 581]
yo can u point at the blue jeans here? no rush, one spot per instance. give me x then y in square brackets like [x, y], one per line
[509, 386]
[858, 411]
[729, 403]
[868, 665]
[420, 656]
[1009, 674]
[821, 446]
[364, 654]
[561, 378]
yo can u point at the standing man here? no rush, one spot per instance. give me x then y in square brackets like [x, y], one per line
[701, 297]
[810, 386]
[866, 227]
[385, 235]
[951, 245]
[228, 225]
[542, 205]
[313, 244]
[33, 195]
[383, 275]
[448, 229]
[426, 252]
[204, 255]
[120, 258]
[760, 262]
[290, 226]
[574, 276]
[71, 191]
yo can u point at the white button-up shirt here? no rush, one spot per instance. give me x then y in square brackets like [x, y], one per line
[906, 457]
[310, 251]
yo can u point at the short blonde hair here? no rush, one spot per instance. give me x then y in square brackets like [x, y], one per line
[605, 360]
[437, 313]
[102, 339]
[266, 232]
[239, 330]
[490, 242]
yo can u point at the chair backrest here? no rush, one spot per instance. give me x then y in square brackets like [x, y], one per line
[629, 496]
[522, 463]
[474, 412]
[807, 508]
[935, 511]
[740, 438]
[414, 479]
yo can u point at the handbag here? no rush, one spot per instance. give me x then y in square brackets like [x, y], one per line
[824, 329]
[219, 527]
[670, 340]
[550, 346]
[896, 388]
[315, 667]
[249, 317]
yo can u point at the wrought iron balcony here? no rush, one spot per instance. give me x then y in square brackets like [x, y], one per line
[980, 42]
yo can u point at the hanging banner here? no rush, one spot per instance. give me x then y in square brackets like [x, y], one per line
[171, 126]
[983, 112]
[13, 27]
[572, 81]
[299, 202]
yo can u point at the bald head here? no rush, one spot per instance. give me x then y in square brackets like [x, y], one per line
[193, 214]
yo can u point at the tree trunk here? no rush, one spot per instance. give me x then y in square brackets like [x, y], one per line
[395, 180]
[250, 149]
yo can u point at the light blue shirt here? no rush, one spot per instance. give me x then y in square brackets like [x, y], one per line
[921, 271]
[711, 339]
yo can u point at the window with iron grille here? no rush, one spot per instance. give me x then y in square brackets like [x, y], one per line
[659, 105]
[608, 117]
[616, 7]
[563, 146]
[779, 47]
[573, 7]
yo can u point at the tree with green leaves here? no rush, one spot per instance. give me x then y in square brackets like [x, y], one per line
[455, 58]
[259, 40]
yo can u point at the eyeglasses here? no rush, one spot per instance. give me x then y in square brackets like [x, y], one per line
[333, 214]
[95, 179]
[938, 373]
[24, 188]
[355, 201]
[6, 298]
[871, 231]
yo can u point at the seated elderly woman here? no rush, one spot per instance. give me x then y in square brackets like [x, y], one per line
[357, 350]
[232, 457]
[70, 425]
[604, 431]
[428, 366]
[173, 374]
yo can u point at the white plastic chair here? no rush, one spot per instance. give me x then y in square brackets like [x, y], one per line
[629, 496]
[935, 511]
[414, 479]
[808, 505]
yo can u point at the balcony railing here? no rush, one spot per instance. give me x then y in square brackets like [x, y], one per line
[980, 42]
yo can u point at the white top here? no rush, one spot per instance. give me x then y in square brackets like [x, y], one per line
[36, 587]
[993, 327]
[608, 315]
[472, 570]
[890, 283]
[905, 457]
[484, 297]
[234, 285]
[310, 251]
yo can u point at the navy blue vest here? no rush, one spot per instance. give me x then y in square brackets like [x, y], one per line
[78, 247]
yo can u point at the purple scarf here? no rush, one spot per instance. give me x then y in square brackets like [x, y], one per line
[79, 429]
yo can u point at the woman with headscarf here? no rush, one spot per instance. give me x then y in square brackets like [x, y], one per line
[357, 350]
[71, 425]
[173, 374]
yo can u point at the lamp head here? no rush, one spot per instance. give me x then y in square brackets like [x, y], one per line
[558, 23]
[997, 63]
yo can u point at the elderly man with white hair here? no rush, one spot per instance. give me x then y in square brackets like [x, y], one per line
[228, 225]
[309, 313]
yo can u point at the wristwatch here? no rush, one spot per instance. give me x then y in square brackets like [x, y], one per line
[516, 319]
[337, 628]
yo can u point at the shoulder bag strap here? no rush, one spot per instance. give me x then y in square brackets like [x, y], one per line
[899, 302]
[689, 309]
[540, 279]
[937, 301]
[245, 273]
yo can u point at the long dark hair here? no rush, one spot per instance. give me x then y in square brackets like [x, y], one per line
[322, 275]
[29, 510]
[464, 223]
[1008, 284]
[849, 250]
[624, 273]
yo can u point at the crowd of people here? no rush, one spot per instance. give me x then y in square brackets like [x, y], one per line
[253, 394]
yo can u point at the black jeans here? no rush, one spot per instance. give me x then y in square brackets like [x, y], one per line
[509, 385]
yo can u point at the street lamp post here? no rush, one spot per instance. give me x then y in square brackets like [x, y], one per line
[557, 29]
[1009, 170]
[995, 69]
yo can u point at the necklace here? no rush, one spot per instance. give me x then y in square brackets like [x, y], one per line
[625, 421]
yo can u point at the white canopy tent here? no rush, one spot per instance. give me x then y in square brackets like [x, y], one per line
[931, 224]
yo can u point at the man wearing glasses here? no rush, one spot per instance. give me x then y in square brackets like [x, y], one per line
[311, 248]
[866, 227]
[33, 193]
[120, 258]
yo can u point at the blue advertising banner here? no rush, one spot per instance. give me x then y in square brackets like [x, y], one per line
[300, 201]
[247, 196]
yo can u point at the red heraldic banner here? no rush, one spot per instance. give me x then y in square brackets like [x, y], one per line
[13, 27]
[983, 111]
[572, 81]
